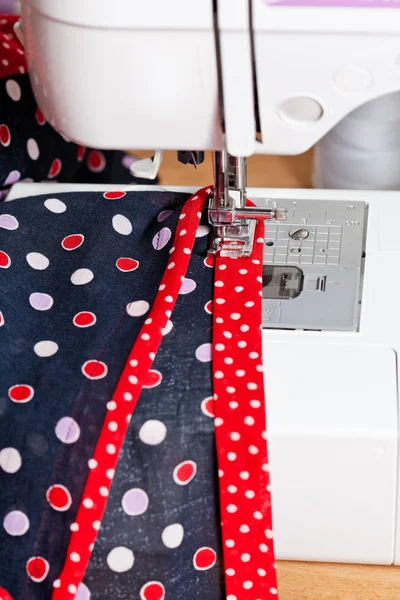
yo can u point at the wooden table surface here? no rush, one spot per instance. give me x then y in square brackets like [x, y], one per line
[297, 581]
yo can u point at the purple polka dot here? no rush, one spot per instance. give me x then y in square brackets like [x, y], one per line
[135, 502]
[164, 214]
[128, 160]
[203, 353]
[12, 177]
[16, 523]
[188, 285]
[67, 430]
[8, 222]
[162, 238]
[40, 301]
[83, 592]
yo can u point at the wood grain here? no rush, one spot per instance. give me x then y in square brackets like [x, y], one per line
[297, 581]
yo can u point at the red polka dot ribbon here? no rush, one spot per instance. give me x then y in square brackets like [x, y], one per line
[136, 375]
[12, 55]
[240, 423]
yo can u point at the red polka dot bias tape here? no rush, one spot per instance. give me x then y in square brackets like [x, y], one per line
[12, 56]
[136, 375]
[240, 423]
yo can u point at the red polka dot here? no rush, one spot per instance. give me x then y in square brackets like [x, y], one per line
[152, 379]
[84, 319]
[4, 595]
[5, 135]
[72, 242]
[40, 117]
[207, 406]
[127, 264]
[5, 260]
[80, 155]
[55, 168]
[152, 591]
[185, 472]
[96, 161]
[114, 195]
[21, 393]
[209, 261]
[94, 369]
[204, 559]
[208, 307]
[37, 568]
[59, 497]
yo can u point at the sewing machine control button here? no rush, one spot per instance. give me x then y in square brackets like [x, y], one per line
[300, 110]
[353, 80]
[299, 234]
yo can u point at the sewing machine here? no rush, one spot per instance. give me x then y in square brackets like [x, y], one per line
[266, 76]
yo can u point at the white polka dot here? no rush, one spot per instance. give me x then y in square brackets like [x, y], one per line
[153, 432]
[249, 304]
[88, 503]
[220, 301]
[120, 559]
[168, 328]
[244, 529]
[218, 422]
[235, 316]
[233, 405]
[111, 449]
[55, 206]
[103, 491]
[269, 534]
[244, 328]
[133, 379]
[145, 337]
[265, 467]
[262, 572]
[235, 436]
[37, 261]
[45, 348]
[16, 523]
[230, 573]
[273, 591]
[231, 508]
[121, 225]
[219, 320]
[219, 284]
[113, 426]
[13, 90]
[255, 261]
[251, 386]
[240, 373]
[231, 597]
[232, 489]
[138, 308]
[230, 543]
[92, 463]
[248, 585]
[239, 288]
[228, 360]
[255, 403]
[111, 405]
[243, 271]
[218, 375]
[258, 515]
[10, 460]
[263, 548]
[230, 389]
[249, 421]
[172, 535]
[57, 583]
[260, 368]
[227, 334]
[253, 450]
[169, 299]
[33, 149]
[232, 456]
[74, 527]
[186, 250]
[82, 276]
[74, 556]
[250, 494]
[253, 355]
[244, 475]
[96, 525]
[72, 588]
[110, 473]
[219, 347]
[242, 344]
[245, 557]
[222, 267]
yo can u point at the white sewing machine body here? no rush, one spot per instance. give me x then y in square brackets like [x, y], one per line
[332, 399]
[134, 74]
